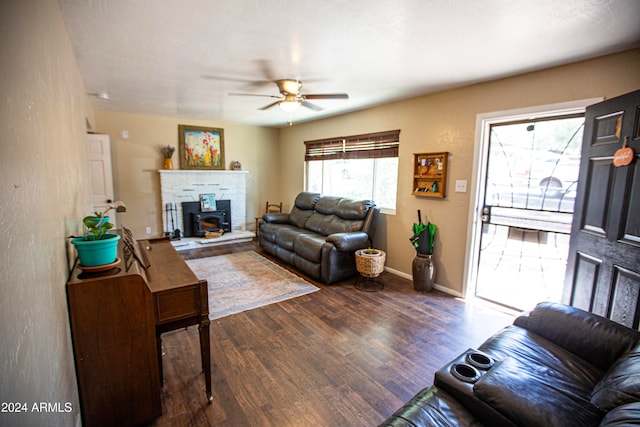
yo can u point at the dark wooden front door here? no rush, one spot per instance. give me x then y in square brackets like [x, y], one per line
[603, 268]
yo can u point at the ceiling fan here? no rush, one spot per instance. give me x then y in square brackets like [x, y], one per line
[290, 98]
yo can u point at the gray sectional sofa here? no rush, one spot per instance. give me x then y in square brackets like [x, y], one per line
[320, 235]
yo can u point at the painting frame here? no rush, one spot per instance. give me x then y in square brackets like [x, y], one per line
[201, 148]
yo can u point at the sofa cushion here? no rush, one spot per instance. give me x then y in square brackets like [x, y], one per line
[286, 236]
[298, 217]
[302, 209]
[353, 209]
[309, 246]
[534, 395]
[268, 230]
[601, 341]
[306, 200]
[620, 384]
[327, 205]
[337, 215]
[624, 415]
[531, 349]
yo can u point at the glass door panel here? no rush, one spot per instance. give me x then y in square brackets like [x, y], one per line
[530, 192]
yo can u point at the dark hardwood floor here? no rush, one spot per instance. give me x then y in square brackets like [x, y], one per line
[336, 357]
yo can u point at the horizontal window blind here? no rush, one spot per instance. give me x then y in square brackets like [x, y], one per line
[367, 146]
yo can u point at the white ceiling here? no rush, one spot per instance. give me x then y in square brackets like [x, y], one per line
[183, 57]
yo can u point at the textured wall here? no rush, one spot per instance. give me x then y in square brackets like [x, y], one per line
[137, 159]
[42, 172]
[446, 122]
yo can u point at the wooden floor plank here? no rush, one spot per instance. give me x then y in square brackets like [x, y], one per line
[338, 356]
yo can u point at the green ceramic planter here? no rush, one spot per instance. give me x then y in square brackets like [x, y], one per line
[93, 253]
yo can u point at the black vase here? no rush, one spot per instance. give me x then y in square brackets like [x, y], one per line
[423, 273]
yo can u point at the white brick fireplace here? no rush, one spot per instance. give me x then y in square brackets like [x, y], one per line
[179, 186]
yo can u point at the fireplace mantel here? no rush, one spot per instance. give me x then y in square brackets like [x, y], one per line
[199, 171]
[177, 186]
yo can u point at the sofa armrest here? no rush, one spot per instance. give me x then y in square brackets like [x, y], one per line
[598, 340]
[346, 242]
[431, 407]
[276, 218]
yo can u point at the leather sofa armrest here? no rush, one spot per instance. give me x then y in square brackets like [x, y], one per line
[276, 218]
[346, 242]
[596, 339]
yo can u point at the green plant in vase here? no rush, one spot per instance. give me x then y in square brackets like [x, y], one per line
[97, 246]
[371, 252]
[96, 226]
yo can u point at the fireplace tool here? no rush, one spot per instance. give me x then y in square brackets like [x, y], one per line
[171, 211]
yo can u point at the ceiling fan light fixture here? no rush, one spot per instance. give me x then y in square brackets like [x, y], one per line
[290, 86]
[289, 106]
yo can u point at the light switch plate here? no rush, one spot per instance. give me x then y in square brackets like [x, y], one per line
[461, 185]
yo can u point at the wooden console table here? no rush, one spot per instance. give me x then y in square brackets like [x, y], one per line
[117, 317]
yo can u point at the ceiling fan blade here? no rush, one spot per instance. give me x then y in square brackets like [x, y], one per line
[250, 84]
[273, 104]
[252, 94]
[267, 69]
[326, 96]
[314, 107]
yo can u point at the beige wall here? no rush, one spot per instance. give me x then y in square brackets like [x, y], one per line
[446, 122]
[136, 162]
[43, 174]
[44, 193]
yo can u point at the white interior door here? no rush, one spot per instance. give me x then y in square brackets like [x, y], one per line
[99, 157]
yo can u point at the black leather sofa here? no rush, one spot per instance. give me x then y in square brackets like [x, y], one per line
[320, 235]
[555, 366]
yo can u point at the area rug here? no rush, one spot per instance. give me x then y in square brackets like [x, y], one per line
[246, 280]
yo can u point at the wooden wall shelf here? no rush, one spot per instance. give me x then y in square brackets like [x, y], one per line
[430, 174]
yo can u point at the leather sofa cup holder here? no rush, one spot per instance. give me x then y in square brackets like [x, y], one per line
[479, 360]
[465, 373]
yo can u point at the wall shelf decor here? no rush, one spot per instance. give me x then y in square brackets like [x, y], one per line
[430, 174]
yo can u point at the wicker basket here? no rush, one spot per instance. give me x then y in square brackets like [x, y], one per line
[370, 265]
[213, 234]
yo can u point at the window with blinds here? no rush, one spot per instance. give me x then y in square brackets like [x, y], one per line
[357, 167]
[368, 146]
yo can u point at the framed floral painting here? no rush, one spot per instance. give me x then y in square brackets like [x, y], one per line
[201, 147]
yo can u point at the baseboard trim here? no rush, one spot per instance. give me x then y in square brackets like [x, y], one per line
[435, 285]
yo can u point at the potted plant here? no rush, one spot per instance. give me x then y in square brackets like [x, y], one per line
[370, 252]
[167, 154]
[97, 246]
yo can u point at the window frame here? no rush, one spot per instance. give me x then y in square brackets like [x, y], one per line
[356, 147]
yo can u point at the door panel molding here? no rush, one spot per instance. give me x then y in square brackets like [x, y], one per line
[583, 288]
[625, 297]
[595, 211]
[607, 128]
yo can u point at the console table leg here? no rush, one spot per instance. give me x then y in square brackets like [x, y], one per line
[205, 354]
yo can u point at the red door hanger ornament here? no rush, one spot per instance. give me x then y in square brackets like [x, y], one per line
[624, 156]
